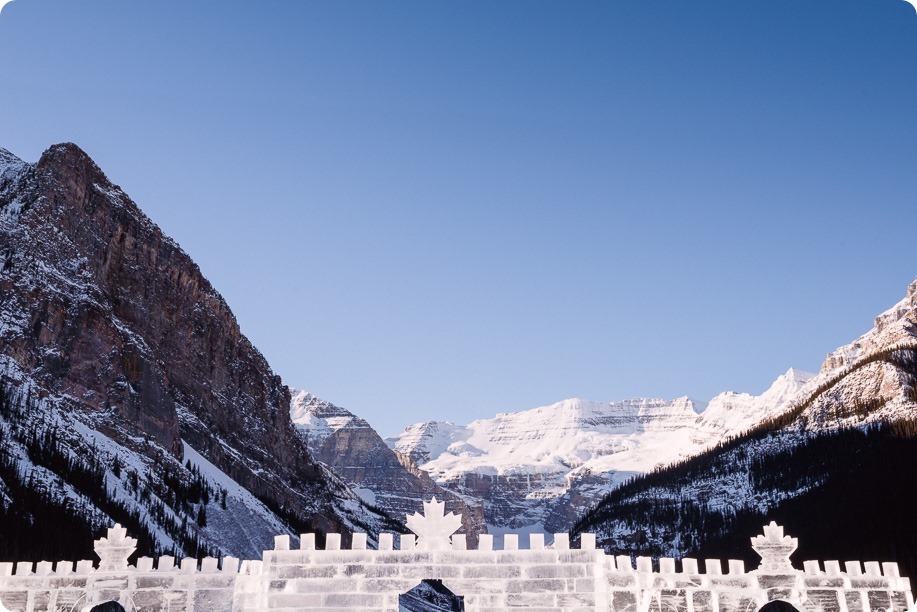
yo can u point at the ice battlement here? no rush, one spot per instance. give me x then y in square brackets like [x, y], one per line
[543, 576]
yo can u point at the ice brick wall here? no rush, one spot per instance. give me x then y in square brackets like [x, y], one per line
[66, 586]
[707, 586]
[553, 577]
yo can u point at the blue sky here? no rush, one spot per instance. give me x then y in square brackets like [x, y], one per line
[447, 210]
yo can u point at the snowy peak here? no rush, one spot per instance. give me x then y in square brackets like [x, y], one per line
[871, 380]
[734, 413]
[8, 162]
[787, 386]
[896, 326]
[358, 455]
[318, 418]
[496, 442]
[421, 441]
[534, 466]
[903, 310]
[554, 426]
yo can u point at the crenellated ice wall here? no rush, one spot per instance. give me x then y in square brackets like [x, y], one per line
[542, 577]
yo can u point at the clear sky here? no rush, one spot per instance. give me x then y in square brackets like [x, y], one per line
[444, 210]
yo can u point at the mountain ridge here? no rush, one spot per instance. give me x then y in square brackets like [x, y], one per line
[108, 328]
[837, 460]
[540, 466]
[473, 458]
[381, 476]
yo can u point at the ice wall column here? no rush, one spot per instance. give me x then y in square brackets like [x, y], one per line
[435, 527]
[776, 575]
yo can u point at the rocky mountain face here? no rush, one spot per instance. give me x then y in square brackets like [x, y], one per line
[541, 469]
[111, 336]
[382, 477]
[833, 466]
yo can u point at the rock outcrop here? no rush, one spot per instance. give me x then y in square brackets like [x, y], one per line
[382, 477]
[897, 325]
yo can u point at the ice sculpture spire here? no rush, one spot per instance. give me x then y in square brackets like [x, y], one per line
[114, 550]
[775, 549]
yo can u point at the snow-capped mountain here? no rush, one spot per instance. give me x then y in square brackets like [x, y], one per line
[540, 468]
[896, 326]
[129, 393]
[382, 478]
[836, 465]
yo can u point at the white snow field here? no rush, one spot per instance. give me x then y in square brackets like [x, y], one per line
[542, 454]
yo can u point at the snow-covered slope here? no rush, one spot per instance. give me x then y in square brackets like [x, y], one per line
[317, 419]
[526, 463]
[841, 453]
[182, 505]
[895, 326]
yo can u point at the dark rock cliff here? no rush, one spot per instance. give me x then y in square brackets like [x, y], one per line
[101, 307]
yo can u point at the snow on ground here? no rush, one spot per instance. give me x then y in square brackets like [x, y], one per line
[250, 522]
[245, 528]
[118, 486]
[367, 495]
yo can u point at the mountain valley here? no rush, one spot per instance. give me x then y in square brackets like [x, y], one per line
[128, 393]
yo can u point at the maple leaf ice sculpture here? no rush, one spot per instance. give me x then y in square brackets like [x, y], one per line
[435, 527]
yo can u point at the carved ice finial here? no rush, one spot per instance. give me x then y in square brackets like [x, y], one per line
[114, 550]
[775, 549]
[774, 532]
[435, 527]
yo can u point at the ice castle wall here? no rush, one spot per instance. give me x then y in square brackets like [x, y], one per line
[554, 577]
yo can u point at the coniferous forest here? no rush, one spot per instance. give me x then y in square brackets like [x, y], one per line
[55, 502]
[857, 484]
[863, 511]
